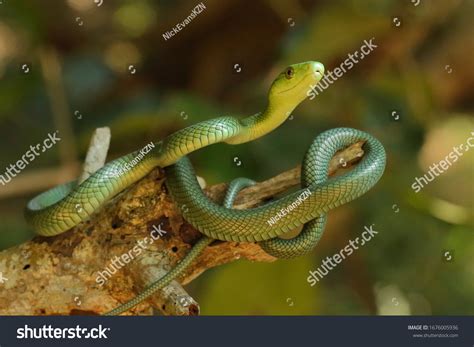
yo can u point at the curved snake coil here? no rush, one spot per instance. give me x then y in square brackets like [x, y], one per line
[56, 210]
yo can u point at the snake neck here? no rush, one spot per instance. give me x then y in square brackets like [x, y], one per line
[223, 129]
[263, 122]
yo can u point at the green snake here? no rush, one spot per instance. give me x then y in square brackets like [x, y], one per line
[56, 210]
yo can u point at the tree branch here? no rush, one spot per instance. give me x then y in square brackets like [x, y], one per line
[61, 275]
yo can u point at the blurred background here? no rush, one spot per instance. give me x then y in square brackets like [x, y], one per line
[76, 65]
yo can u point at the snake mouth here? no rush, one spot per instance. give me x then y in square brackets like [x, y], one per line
[297, 84]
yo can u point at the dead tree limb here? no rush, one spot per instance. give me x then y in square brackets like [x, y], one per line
[61, 275]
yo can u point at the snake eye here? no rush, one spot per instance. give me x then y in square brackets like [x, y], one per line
[289, 72]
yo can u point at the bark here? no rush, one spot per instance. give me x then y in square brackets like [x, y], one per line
[59, 275]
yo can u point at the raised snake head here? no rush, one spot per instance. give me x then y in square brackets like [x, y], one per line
[292, 84]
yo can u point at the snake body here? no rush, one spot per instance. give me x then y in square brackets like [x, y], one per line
[63, 207]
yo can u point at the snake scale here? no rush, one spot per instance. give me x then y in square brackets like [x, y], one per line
[56, 210]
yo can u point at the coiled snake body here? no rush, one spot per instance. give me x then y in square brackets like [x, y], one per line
[56, 210]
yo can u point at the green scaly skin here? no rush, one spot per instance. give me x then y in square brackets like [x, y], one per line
[63, 207]
[234, 187]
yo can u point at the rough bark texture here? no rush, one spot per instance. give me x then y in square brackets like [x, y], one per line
[48, 276]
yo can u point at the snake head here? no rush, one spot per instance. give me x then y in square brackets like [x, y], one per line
[293, 83]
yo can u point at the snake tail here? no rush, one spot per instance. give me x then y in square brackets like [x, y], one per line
[234, 187]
